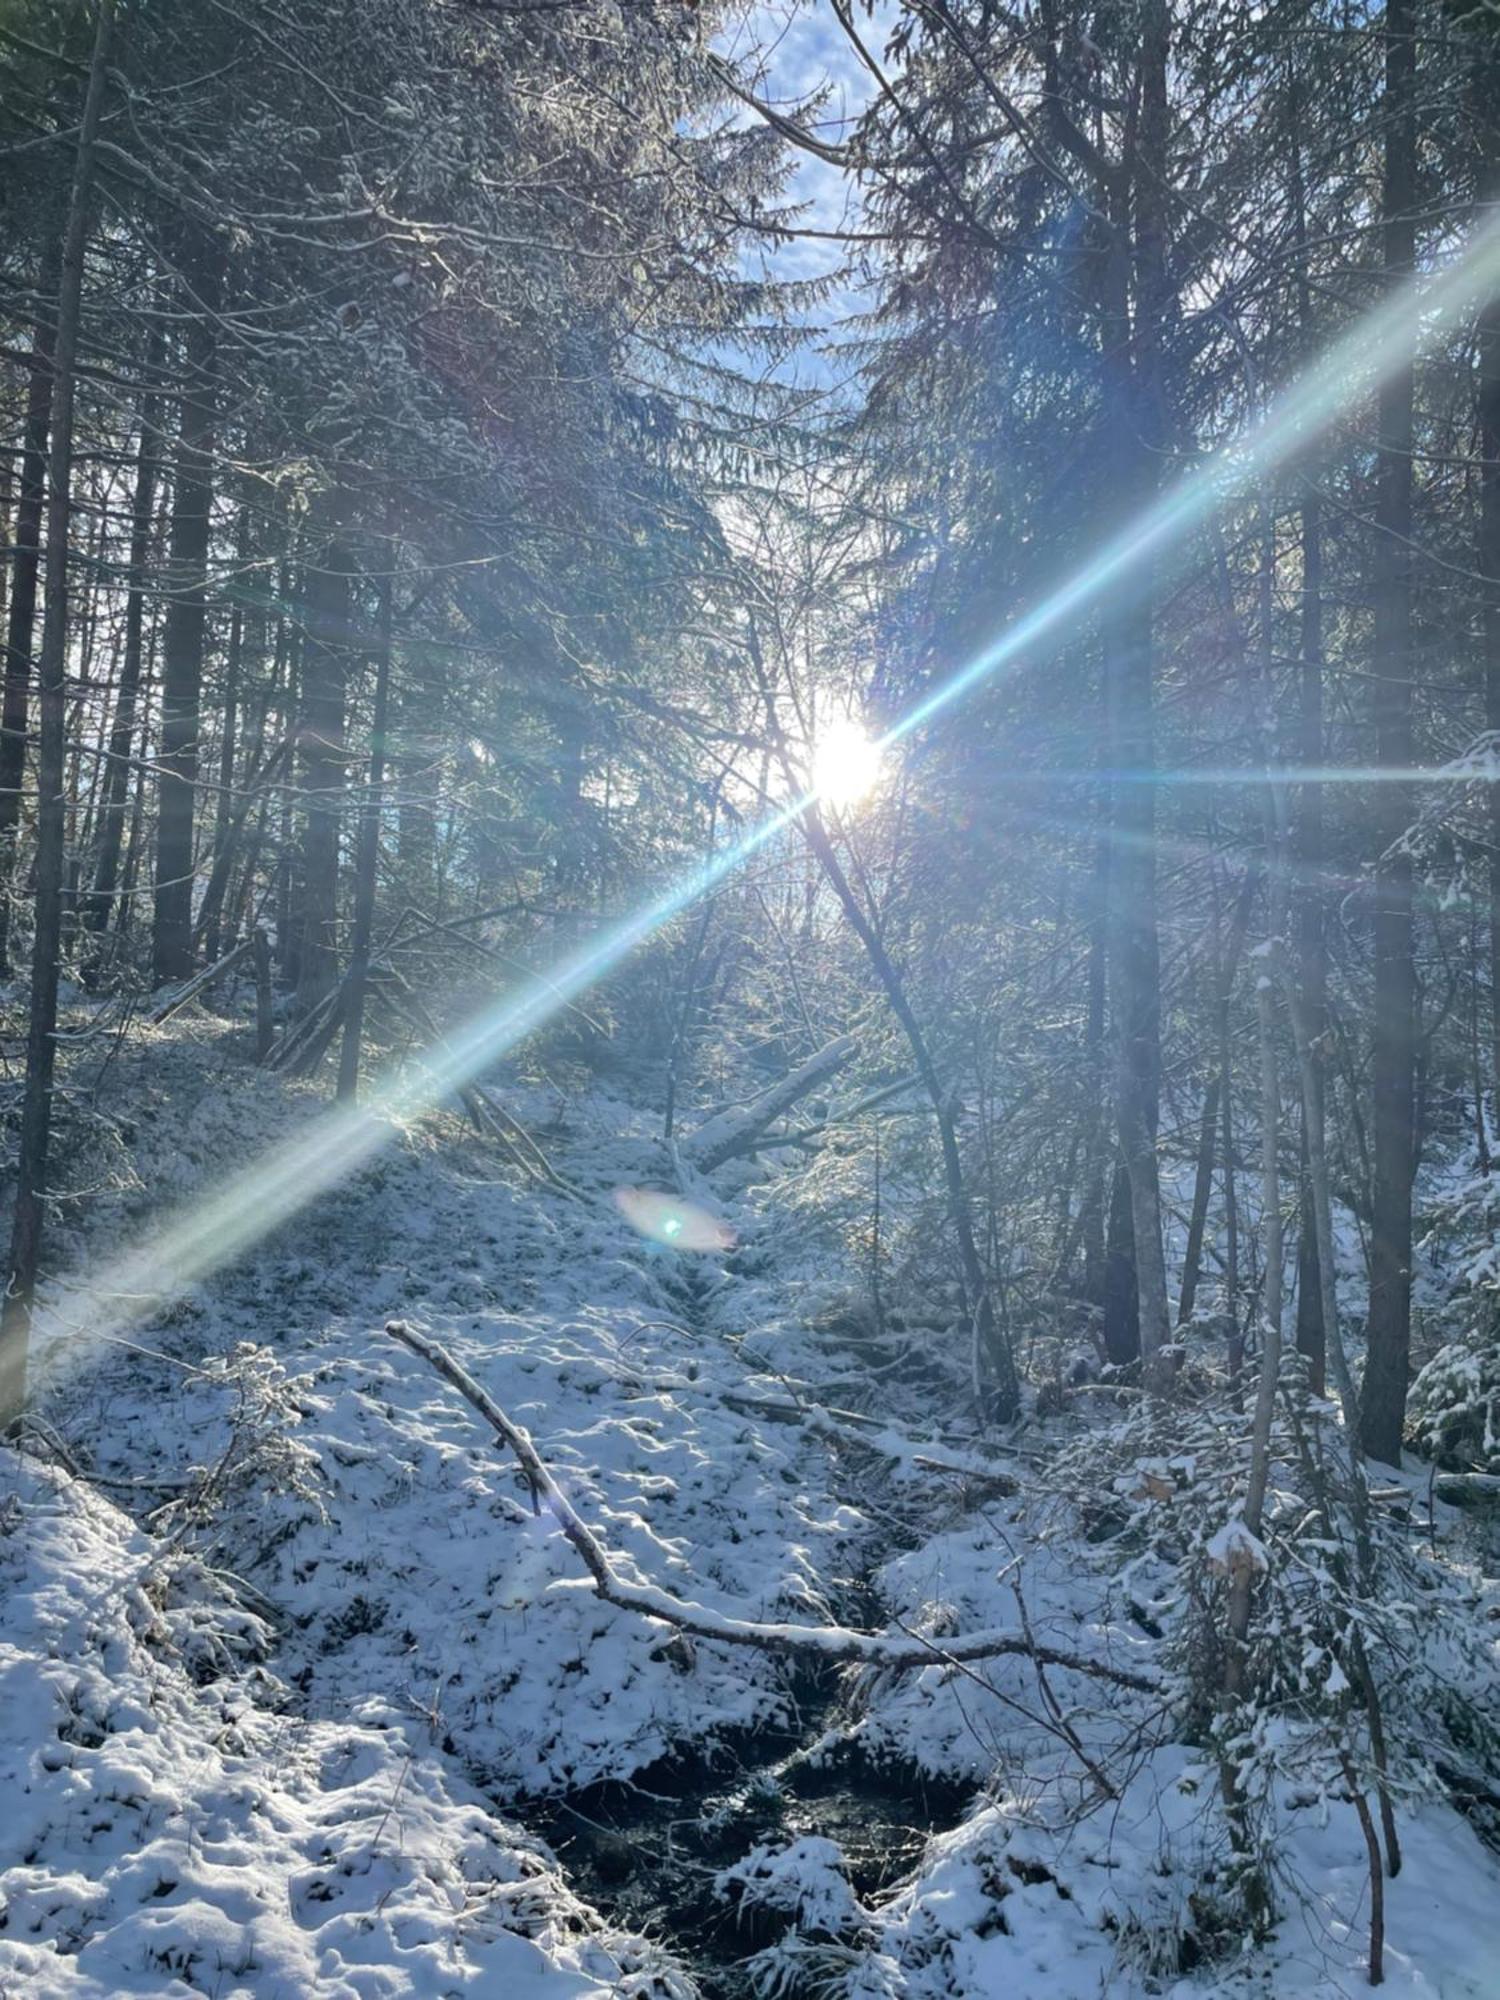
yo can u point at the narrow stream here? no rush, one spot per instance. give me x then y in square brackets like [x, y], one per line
[646, 1853]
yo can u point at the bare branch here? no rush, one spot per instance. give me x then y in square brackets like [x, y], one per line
[833, 1643]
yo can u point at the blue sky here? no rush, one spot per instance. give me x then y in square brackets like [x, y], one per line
[795, 48]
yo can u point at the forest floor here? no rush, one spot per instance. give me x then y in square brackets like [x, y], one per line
[299, 1693]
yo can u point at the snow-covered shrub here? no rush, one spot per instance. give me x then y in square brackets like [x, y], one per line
[807, 1884]
[806, 1881]
[1369, 1666]
[1453, 1412]
[263, 1480]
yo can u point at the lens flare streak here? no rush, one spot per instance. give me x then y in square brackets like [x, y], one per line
[219, 1227]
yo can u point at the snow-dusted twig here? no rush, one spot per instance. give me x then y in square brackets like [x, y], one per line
[833, 1643]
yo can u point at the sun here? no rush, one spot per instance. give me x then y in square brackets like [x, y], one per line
[846, 763]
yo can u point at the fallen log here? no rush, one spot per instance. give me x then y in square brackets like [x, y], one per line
[737, 1131]
[836, 1644]
[200, 980]
[1466, 1489]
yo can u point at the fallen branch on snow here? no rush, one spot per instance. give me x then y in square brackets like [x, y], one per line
[735, 1132]
[834, 1643]
[872, 1434]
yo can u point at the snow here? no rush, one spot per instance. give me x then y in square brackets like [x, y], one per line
[805, 1880]
[271, 1736]
[167, 1836]
[1234, 1546]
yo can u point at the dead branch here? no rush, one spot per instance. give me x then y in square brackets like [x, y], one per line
[835, 1644]
[196, 985]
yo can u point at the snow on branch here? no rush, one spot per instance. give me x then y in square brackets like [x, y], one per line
[834, 1643]
[733, 1132]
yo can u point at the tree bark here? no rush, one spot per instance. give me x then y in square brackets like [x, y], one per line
[368, 859]
[1487, 101]
[41, 1046]
[111, 829]
[1383, 1401]
[211, 916]
[15, 710]
[1311, 942]
[1133, 393]
[1208, 1128]
[186, 632]
[325, 652]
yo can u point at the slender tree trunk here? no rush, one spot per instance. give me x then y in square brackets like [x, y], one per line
[111, 830]
[210, 917]
[368, 860]
[1134, 391]
[1487, 106]
[15, 708]
[1000, 1386]
[1311, 942]
[41, 1046]
[1383, 1404]
[997, 1384]
[325, 653]
[416, 816]
[1098, 1154]
[185, 636]
[1224, 978]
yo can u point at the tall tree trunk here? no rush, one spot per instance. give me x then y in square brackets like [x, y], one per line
[41, 1044]
[1098, 1152]
[186, 631]
[1311, 942]
[1487, 107]
[997, 1383]
[20, 626]
[1122, 1303]
[1133, 388]
[325, 655]
[1208, 1129]
[210, 917]
[1383, 1402]
[368, 860]
[111, 829]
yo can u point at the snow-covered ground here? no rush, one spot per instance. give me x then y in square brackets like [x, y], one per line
[265, 1733]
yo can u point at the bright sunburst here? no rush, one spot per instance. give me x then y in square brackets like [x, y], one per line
[846, 764]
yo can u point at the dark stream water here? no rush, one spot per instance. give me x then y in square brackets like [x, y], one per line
[646, 1853]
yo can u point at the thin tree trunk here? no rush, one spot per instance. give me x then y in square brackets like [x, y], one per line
[185, 636]
[1383, 1405]
[997, 1384]
[1192, 1260]
[41, 1046]
[111, 831]
[324, 673]
[1098, 1155]
[1311, 945]
[20, 626]
[1133, 389]
[210, 917]
[368, 860]
[1487, 105]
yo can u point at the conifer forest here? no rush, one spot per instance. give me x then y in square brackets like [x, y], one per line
[749, 999]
